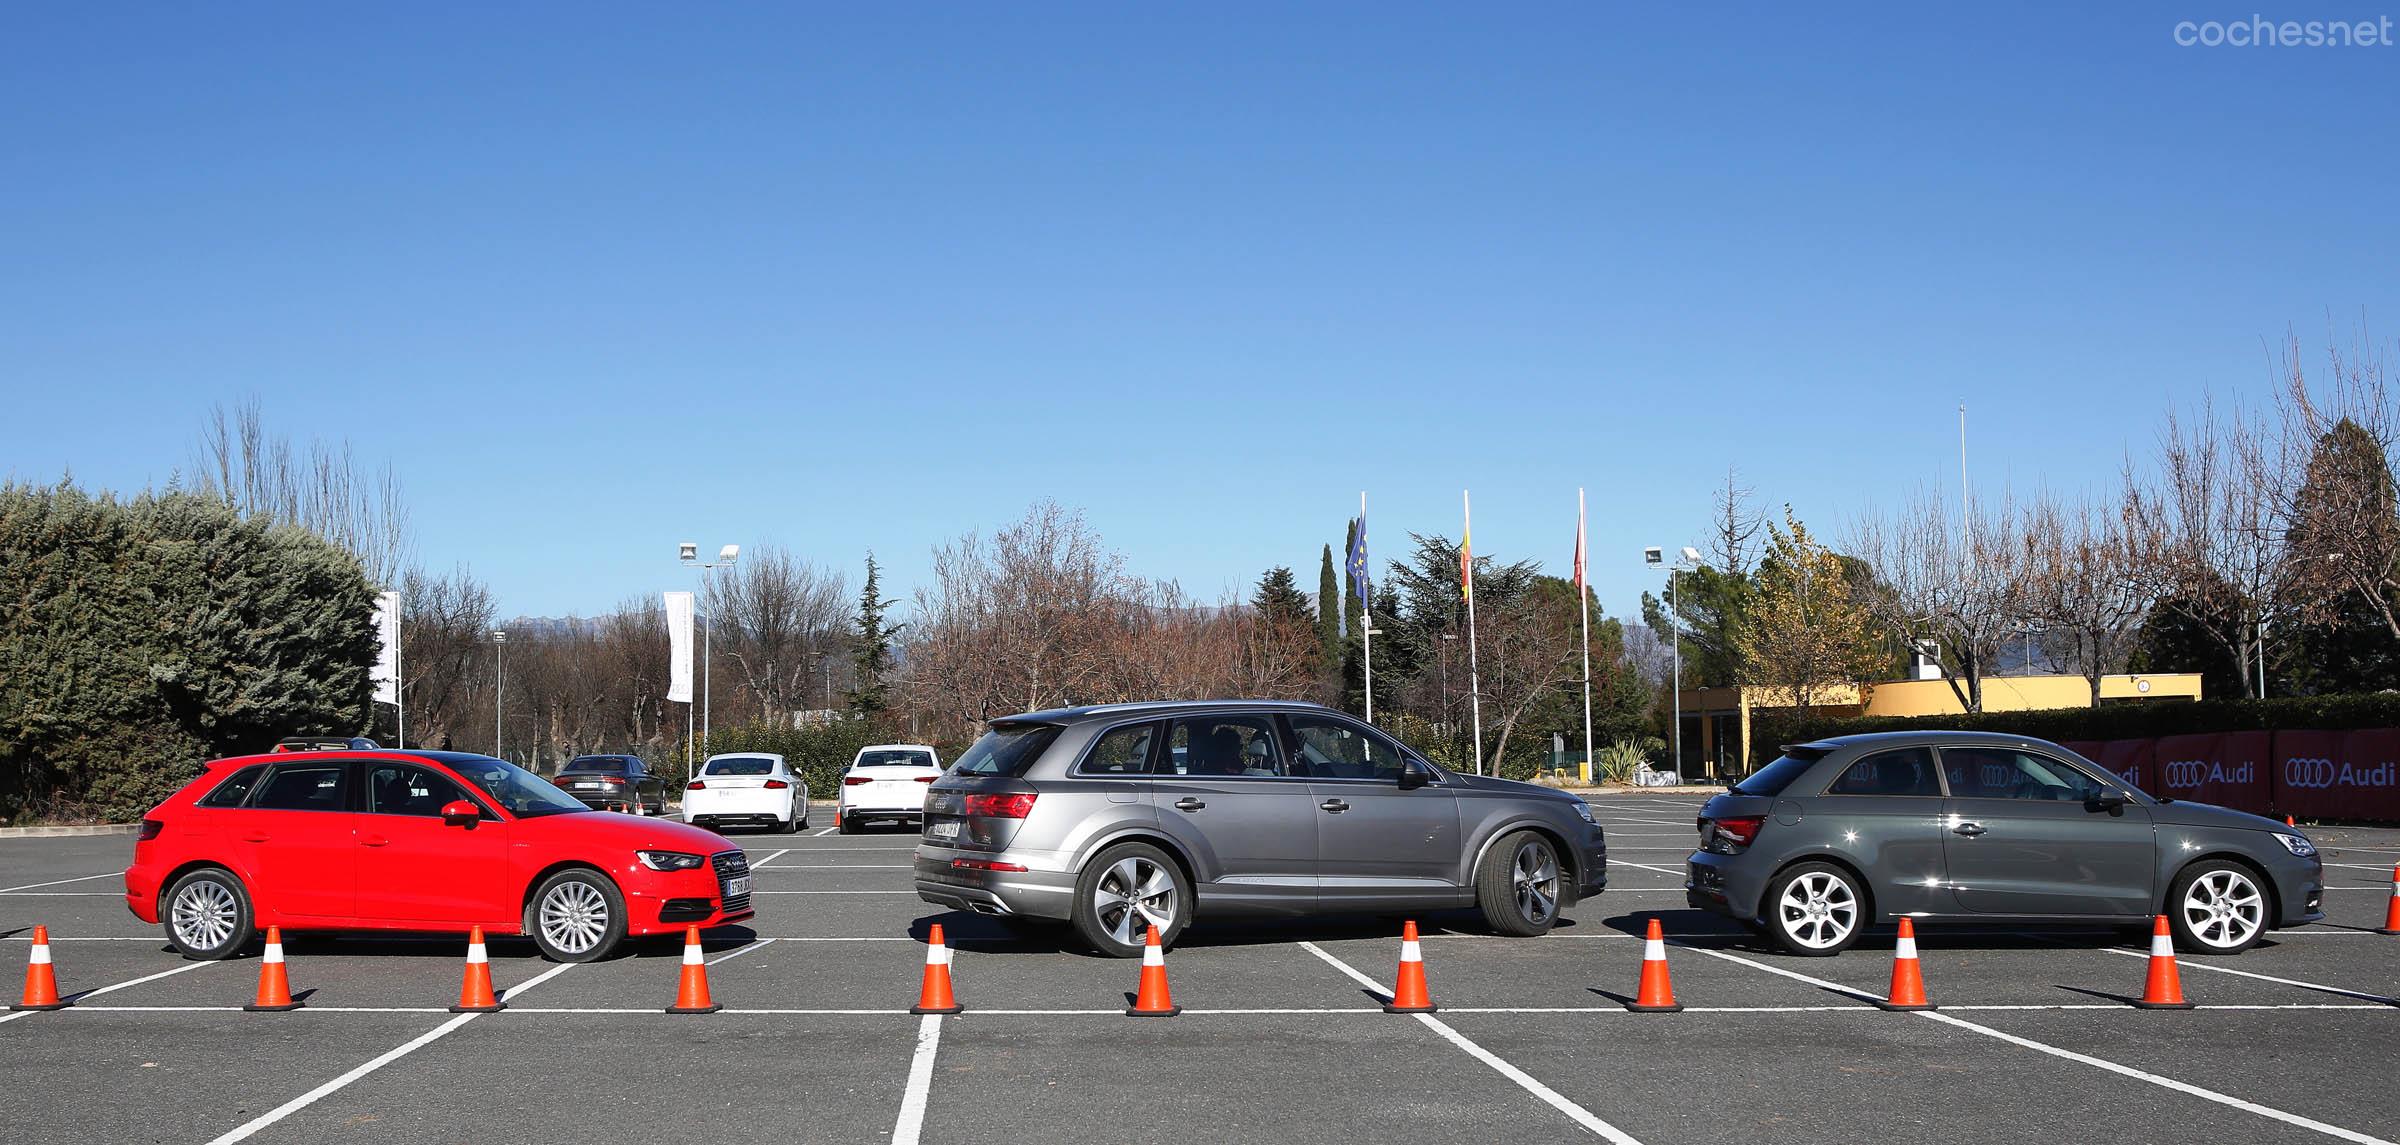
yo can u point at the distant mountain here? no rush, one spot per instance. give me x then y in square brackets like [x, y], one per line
[552, 627]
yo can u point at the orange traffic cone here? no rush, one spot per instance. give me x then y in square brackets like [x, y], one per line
[2391, 914]
[691, 992]
[1408, 990]
[2288, 821]
[1152, 1000]
[1908, 980]
[2164, 990]
[935, 997]
[274, 988]
[41, 982]
[1657, 994]
[475, 993]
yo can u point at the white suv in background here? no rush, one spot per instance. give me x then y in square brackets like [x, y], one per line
[887, 781]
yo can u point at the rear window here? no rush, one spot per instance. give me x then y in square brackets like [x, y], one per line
[604, 764]
[231, 792]
[1774, 777]
[1006, 750]
[740, 765]
[894, 759]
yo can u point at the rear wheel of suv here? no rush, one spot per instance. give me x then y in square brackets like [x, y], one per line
[1815, 910]
[2217, 907]
[576, 916]
[1124, 891]
[207, 914]
[1518, 885]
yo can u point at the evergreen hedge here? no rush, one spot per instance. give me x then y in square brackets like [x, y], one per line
[140, 638]
[819, 753]
[2109, 721]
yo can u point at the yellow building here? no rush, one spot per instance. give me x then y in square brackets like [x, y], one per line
[1716, 721]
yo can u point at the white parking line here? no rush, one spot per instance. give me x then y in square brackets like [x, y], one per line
[2195, 964]
[64, 894]
[738, 951]
[108, 989]
[517, 1013]
[295, 1105]
[761, 864]
[2070, 1055]
[2360, 866]
[825, 832]
[911, 1121]
[845, 867]
[1552, 1097]
[63, 882]
[1615, 862]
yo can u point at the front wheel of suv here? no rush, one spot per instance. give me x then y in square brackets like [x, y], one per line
[1123, 892]
[1518, 885]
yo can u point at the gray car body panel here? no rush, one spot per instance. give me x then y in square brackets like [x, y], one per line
[1251, 845]
[2053, 860]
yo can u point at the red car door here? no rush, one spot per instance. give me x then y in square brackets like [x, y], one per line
[413, 867]
[297, 835]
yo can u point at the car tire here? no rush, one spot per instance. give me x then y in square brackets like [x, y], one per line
[1103, 908]
[793, 822]
[1815, 910]
[206, 914]
[2193, 909]
[1519, 883]
[846, 824]
[576, 915]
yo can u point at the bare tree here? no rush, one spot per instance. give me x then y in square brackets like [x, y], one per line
[323, 488]
[1955, 586]
[2091, 575]
[783, 622]
[1734, 528]
[2214, 510]
[445, 638]
[2332, 488]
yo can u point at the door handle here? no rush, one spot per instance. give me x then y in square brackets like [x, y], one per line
[374, 840]
[1334, 806]
[1970, 829]
[255, 837]
[1187, 803]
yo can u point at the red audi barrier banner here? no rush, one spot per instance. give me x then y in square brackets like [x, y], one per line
[2231, 770]
[2130, 760]
[2361, 781]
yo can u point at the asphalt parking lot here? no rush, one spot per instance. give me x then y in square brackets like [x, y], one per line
[1281, 1037]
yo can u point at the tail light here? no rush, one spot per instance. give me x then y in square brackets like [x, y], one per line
[1740, 829]
[774, 785]
[983, 865]
[695, 785]
[150, 830]
[855, 780]
[927, 778]
[999, 806]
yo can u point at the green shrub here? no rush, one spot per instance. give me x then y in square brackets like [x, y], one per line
[2109, 721]
[818, 753]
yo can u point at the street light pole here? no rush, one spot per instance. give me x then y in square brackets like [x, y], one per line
[1655, 556]
[689, 553]
[499, 687]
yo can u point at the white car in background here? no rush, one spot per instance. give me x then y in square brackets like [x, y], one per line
[887, 781]
[749, 787]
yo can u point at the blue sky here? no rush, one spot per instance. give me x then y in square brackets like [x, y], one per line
[601, 279]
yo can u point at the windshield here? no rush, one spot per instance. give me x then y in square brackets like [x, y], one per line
[609, 764]
[894, 759]
[740, 765]
[1006, 750]
[523, 793]
[1774, 777]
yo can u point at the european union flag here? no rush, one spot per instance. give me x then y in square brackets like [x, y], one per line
[1357, 563]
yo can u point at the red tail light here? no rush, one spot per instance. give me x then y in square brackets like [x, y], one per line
[150, 830]
[695, 785]
[774, 785]
[1000, 806]
[855, 780]
[927, 778]
[982, 865]
[1741, 828]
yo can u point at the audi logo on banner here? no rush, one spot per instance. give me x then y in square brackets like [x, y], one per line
[2202, 772]
[2317, 774]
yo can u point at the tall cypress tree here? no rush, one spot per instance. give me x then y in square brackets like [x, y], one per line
[874, 644]
[1329, 609]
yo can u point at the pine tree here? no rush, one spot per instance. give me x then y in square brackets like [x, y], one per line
[1278, 599]
[1329, 609]
[873, 645]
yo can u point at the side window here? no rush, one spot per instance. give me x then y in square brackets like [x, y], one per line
[1224, 746]
[405, 789]
[306, 787]
[1120, 751]
[2006, 773]
[1908, 771]
[1332, 749]
[231, 792]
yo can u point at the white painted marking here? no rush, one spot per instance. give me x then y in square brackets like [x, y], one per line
[63, 882]
[738, 951]
[64, 894]
[2198, 965]
[109, 989]
[515, 1013]
[295, 1105]
[762, 863]
[2070, 1055]
[825, 832]
[1549, 1096]
[2361, 866]
[911, 1122]
[845, 867]
[1616, 862]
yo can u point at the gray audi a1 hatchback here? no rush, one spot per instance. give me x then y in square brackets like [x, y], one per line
[1118, 818]
[1862, 829]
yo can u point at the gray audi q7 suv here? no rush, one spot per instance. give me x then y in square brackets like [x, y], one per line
[1127, 816]
[1972, 826]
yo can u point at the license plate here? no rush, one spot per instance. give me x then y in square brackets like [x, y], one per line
[587, 787]
[947, 829]
[738, 887]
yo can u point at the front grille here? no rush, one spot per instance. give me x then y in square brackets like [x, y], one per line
[731, 865]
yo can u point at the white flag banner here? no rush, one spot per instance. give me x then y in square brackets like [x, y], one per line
[386, 673]
[679, 647]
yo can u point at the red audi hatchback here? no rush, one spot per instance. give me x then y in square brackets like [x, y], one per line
[418, 841]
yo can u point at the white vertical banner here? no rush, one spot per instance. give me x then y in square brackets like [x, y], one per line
[679, 647]
[386, 673]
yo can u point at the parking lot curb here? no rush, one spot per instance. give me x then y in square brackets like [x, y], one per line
[55, 832]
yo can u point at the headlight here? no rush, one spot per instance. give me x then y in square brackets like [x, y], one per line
[668, 860]
[2297, 845]
[1584, 809]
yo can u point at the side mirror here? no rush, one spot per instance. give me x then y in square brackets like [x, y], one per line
[2112, 802]
[1413, 777]
[460, 813]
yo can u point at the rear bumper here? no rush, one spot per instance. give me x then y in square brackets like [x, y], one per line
[1033, 893]
[141, 893]
[1717, 883]
[737, 805]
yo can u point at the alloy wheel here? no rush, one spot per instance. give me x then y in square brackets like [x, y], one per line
[1818, 910]
[2224, 909]
[203, 914]
[1536, 882]
[1135, 892]
[574, 917]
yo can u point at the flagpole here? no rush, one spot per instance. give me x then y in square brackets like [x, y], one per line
[1467, 579]
[1583, 602]
[1366, 620]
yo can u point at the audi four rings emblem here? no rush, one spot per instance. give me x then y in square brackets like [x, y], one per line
[2189, 773]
